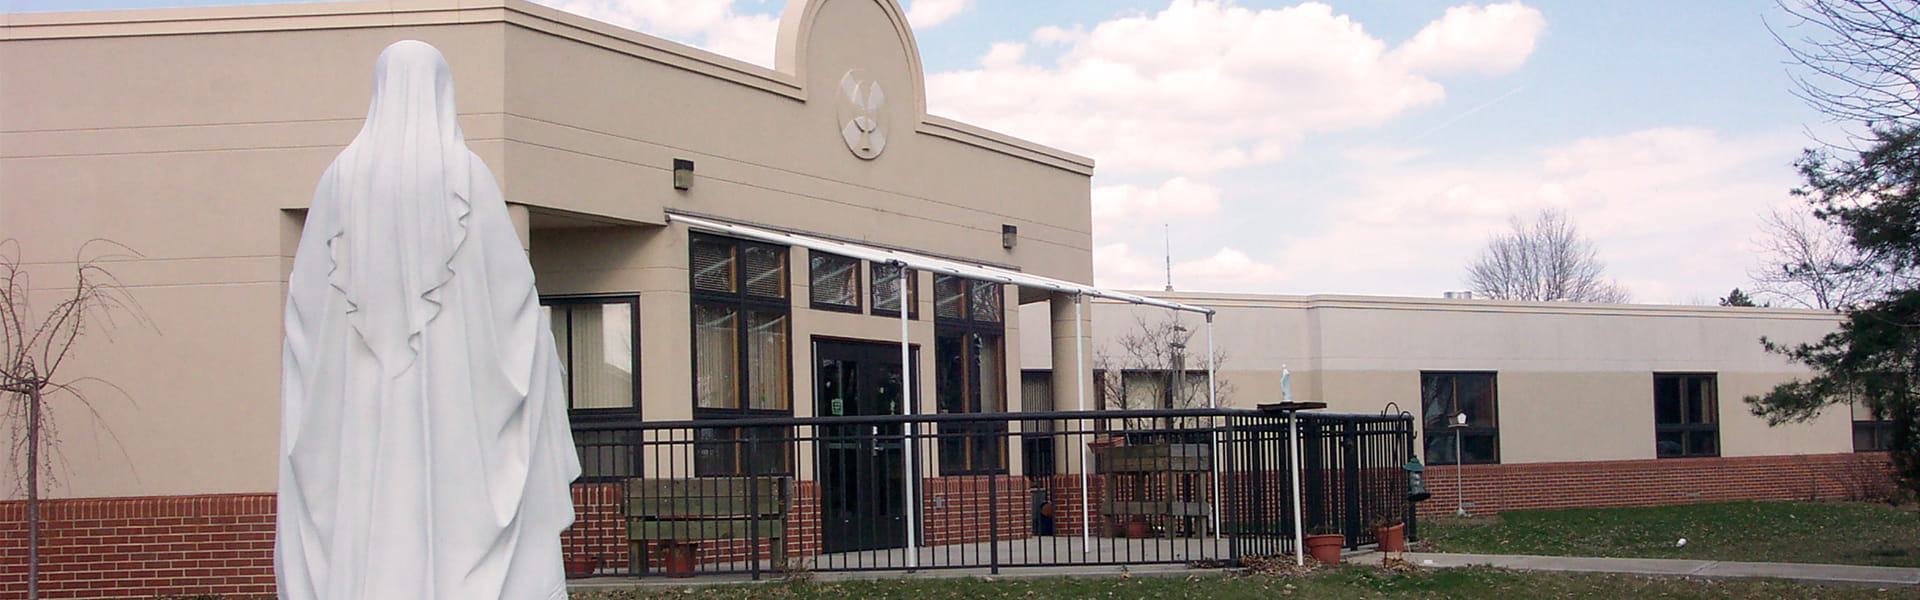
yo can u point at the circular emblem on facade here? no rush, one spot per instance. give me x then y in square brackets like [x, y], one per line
[862, 122]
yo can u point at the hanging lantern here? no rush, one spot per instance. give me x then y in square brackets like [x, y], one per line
[1416, 485]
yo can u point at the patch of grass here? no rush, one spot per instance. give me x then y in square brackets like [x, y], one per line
[1352, 583]
[1804, 532]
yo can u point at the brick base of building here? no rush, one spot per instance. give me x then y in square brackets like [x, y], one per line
[141, 548]
[1490, 489]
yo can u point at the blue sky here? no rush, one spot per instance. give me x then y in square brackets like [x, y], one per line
[1366, 146]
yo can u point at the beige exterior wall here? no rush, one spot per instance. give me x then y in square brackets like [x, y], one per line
[1574, 381]
[196, 135]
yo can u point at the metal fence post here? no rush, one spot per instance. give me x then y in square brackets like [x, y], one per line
[1350, 483]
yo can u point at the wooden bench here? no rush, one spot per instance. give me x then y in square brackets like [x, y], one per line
[685, 511]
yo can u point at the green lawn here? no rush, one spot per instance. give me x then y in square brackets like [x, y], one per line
[1337, 584]
[1806, 532]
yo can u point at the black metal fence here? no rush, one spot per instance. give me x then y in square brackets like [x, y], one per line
[768, 495]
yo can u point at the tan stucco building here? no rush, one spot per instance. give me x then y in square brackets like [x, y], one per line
[194, 137]
[677, 207]
[1568, 404]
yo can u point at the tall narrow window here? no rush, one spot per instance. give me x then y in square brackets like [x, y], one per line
[1037, 438]
[970, 373]
[741, 352]
[595, 340]
[834, 281]
[1444, 395]
[886, 290]
[1686, 414]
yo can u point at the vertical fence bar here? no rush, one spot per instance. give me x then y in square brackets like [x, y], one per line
[993, 520]
[753, 502]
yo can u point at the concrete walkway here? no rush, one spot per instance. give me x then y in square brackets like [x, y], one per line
[1812, 573]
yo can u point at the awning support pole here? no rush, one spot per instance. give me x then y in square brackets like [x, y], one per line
[1079, 373]
[1293, 430]
[1213, 433]
[911, 428]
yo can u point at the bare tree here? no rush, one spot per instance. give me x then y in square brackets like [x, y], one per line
[1809, 262]
[1545, 260]
[1153, 366]
[1859, 60]
[34, 348]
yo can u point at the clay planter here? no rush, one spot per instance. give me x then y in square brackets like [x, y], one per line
[1393, 538]
[1325, 547]
[1138, 530]
[679, 558]
[582, 566]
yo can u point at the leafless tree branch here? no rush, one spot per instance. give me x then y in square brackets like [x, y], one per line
[1856, 60]
[1809, 262]
[1543, 260]
[33, 349]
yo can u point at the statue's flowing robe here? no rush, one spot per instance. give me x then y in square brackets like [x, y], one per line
[425, 452]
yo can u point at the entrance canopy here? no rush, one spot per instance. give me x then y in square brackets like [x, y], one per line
[927, 263]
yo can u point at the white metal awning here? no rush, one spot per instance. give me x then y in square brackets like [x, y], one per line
[927, 263]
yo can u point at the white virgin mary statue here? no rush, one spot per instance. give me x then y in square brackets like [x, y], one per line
[425, 452]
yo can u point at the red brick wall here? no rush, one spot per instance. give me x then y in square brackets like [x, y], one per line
[139, 548]
[956, 509]
[599, 531]
[1064, 492]
[1494, 488]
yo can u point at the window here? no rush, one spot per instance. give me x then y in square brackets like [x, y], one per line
[741, 355]
[595, 340]
[1037, 441]
[1686, 413]
[886, 290]
[1445, 394]
[594, 337]
[1145, 389]
[1870, 434]
[970, 373]
[966, 301]
[835, 282]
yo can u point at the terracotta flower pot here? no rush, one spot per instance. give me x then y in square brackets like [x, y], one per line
[679, 559]
[1393, 538]
[1325, 547]
[581, 566]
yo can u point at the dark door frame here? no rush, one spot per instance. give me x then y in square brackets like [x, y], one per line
[859, 468]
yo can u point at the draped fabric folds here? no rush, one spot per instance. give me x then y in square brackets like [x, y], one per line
[425, 451]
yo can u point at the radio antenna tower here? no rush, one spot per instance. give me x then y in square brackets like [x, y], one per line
[1166, 236]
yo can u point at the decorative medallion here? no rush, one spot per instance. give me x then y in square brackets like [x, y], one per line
[862, 122]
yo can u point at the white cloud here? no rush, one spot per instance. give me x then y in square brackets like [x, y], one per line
[928, 13]
[1491, 40]
[710, 25]
[1227, 269]
[1205, 84]
[1662, 205]
[1176, 199]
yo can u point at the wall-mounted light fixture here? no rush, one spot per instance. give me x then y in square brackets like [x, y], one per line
[682, 174]
[1009, 235]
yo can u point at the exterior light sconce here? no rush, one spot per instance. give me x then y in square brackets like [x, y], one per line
[682, 174]
[1009, 235]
